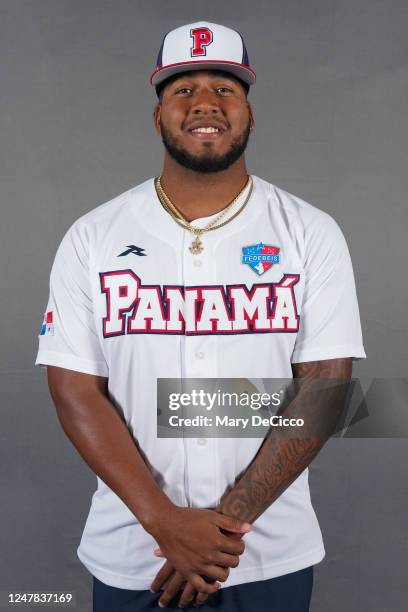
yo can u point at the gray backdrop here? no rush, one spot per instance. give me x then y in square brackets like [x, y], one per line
[76, 130]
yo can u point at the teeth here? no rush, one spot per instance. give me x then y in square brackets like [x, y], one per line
[206, 130]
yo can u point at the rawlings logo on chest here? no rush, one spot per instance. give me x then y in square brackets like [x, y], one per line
[134, 308]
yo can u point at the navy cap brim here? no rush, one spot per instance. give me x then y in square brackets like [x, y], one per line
[240, 71]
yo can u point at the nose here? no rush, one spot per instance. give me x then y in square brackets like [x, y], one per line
[205, 102]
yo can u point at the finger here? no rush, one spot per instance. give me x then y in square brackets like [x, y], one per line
[231, 546]
[229, 523]
[162, 576]
[201, 585]
[201, 598]
[158, 553]
[237, 537]
[225, 560]
[188, 595]
[216, 573]
[171, 590]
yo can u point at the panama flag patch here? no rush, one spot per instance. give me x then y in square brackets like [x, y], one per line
[48, 325]
[260, 257]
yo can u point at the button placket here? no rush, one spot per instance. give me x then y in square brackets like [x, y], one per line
[199, 362]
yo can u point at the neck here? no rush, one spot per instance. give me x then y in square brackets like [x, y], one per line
[197, 194]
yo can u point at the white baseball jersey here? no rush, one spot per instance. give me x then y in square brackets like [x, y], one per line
[129, 301]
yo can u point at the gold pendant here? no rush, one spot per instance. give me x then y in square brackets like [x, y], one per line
[196, 246]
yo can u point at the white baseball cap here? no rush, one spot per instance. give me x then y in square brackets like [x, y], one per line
[202, 46]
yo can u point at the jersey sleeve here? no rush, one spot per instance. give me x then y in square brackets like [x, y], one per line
[68, 336]
[329, 326]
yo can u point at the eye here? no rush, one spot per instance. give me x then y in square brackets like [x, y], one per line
[184, 90]
[223, 89]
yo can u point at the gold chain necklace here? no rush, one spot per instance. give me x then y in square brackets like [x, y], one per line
[197, 246]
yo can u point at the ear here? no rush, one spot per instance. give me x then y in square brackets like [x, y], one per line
[251, 118]
[156, 117]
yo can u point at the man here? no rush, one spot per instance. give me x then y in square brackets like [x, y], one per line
[164, 282]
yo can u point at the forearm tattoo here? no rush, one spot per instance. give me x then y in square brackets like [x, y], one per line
[280, 460]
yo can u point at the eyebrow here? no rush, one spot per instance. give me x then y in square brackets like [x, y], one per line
[186, 78]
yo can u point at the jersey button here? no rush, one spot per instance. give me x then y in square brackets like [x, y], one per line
[199, 355]
[197, 263]
[202, 442]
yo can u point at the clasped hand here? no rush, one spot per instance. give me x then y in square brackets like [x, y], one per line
[200, 547]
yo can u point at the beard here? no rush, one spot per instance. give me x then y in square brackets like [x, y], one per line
[206, 162]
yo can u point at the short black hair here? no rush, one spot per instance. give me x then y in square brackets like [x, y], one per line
[163, 84]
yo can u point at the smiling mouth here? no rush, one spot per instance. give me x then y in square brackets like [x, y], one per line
[205, 133]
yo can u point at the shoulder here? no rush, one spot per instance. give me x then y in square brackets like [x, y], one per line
[122, 204]
[112, 214]
[314, 234]
[302, 218]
